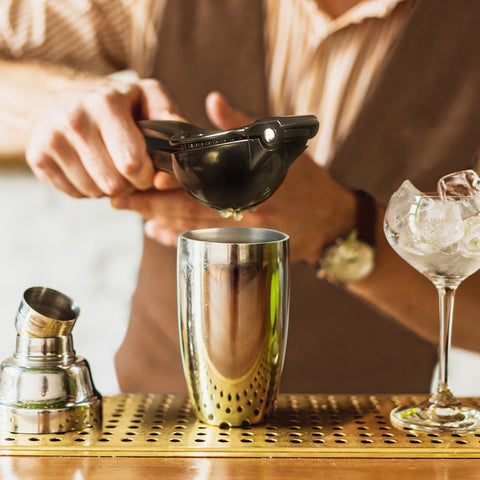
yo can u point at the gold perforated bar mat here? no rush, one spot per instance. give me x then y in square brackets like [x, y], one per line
[302, 426]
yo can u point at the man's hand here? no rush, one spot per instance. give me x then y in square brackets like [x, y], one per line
[85, 142]
[309, 206]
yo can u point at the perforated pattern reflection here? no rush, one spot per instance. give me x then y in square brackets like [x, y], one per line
[246, 400]
[302, 426]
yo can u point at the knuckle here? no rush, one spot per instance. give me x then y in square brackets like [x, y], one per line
[114, 187]
[55, 141]
[90, 189]
[110, 98]
[106, 99]
[77, 122]
[96, 193]
[38, 161]
[131, 166]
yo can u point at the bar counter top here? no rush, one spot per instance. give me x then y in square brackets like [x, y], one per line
[158, 436]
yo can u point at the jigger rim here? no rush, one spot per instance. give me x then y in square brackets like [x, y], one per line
[235, 235]
[46, 312]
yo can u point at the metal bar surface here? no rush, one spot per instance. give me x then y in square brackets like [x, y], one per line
[314, 426]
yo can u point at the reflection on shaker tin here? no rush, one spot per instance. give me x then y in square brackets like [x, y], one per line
[233, 294]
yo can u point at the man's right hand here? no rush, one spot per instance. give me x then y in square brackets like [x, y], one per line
[84, 139]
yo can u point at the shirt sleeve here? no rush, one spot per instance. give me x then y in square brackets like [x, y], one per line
[91, 35]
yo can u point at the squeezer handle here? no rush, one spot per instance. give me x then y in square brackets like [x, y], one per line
[160, 152]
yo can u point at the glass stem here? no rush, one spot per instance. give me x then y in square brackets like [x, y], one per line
[446, 297]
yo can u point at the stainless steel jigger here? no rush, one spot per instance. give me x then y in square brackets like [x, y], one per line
[45, 387]
[233, 294]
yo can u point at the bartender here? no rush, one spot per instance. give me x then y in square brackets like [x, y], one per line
[394, 99]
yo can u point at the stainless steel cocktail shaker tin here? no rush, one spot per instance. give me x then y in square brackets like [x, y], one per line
[44, 386]
[233, 302]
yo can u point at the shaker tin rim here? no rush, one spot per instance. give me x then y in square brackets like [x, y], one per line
[234, 236]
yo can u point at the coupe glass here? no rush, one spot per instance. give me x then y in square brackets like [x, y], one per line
[440, 237]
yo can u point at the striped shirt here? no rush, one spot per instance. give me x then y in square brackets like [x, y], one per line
[324, 66]
[315, 64]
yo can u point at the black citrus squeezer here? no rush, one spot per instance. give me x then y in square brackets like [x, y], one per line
[229, 169]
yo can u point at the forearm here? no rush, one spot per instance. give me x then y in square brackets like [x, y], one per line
[397, 289]
[393, 287]
[24, 87]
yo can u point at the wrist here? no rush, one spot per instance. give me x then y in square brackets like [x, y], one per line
[351, 257]
[340, 222]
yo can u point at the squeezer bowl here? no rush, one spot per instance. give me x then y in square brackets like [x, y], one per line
[232, 169]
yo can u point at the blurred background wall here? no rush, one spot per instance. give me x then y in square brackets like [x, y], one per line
[83, 248]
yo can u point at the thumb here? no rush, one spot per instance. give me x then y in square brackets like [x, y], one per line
[156, 103]
[222, 114]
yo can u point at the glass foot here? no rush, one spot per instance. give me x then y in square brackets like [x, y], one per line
[431, 417]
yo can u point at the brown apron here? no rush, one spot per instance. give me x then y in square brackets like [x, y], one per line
[420, 121]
